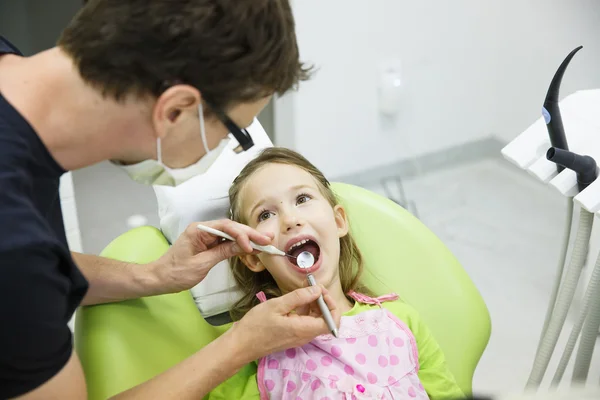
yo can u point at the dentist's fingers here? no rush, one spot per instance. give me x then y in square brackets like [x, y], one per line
[221, 252]
[298, 299]
[195, 253]
[273, 326]
[313, 309]
[243, 234]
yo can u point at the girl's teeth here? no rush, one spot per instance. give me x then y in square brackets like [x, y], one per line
[300, 243]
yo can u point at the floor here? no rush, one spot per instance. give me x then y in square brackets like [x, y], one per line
[506, 229]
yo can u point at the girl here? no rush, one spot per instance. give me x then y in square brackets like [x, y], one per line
[383, 350]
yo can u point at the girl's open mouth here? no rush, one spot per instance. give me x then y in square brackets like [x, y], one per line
[299, 246]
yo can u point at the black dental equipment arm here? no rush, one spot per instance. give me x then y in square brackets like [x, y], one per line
[551, 110]
[584, 166]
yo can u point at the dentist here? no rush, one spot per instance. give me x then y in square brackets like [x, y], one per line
[153, 86]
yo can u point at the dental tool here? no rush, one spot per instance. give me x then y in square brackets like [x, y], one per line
[530, 146]
[306, 260]
[551, 109]
[270, 249]
[583, 166]
[551, 112]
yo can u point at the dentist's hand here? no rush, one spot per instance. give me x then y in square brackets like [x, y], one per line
[282, 323]
[195, 252]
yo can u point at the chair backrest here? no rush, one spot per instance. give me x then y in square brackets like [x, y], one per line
[403, 256]
[124, 344]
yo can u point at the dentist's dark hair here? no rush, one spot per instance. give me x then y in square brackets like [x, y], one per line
[231, 51]
[350, 262]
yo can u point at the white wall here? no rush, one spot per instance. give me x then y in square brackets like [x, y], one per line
[471, 69]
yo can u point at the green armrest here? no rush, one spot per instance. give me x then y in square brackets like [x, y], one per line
[124, 344]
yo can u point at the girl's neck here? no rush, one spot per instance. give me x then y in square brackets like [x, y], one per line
[339, 297]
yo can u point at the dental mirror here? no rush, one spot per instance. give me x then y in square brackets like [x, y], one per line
[305, 260]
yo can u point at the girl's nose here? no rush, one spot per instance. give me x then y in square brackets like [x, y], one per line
[290, 222]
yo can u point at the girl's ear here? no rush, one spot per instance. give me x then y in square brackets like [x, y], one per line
[341, 220]
[252, 262]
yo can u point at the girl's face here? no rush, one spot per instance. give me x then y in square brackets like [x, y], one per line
[285, 200]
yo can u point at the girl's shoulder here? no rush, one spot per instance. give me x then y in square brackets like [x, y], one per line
[397, 307]
[400, 309]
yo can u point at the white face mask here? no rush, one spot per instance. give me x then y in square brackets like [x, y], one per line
[154, 172]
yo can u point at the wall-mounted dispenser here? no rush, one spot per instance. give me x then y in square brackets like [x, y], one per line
[390, 88]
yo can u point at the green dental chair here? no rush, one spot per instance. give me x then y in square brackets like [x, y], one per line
[124, 344]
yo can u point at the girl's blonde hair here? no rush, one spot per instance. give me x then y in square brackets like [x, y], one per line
[350, 263]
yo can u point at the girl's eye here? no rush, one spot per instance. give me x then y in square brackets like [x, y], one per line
[303, 198]
[263, 216]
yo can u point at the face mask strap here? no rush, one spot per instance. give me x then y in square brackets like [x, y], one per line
[202, 128]
[158, 151]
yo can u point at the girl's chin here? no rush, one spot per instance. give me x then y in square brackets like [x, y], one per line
[321, 273]
[323, 277]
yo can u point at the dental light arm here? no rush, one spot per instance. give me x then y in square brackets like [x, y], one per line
[551, 110]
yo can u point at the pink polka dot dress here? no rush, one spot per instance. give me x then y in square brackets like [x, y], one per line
[374, 357]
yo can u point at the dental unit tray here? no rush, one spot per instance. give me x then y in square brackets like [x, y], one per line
[560, 149]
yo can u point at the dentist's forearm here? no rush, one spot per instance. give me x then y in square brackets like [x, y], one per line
[195, 377]
[112, 280]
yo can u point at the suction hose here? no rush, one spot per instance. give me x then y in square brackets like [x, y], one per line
[559, 271]
[590, 330]
[564, 299]
[592, 295]
[586, 170]
[551, 110]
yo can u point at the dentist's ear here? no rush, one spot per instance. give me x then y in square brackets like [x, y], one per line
[170, 107]
[252, 262]
[341, 220]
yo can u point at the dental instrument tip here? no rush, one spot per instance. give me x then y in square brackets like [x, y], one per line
[335, 333]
